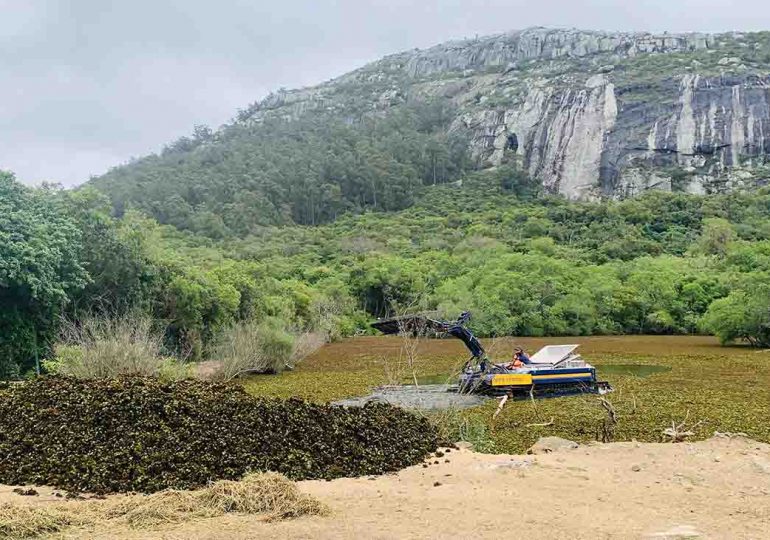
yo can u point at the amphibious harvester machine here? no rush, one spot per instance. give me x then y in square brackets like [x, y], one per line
[554, 370]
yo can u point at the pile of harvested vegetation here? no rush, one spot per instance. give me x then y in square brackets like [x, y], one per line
[142, 434]
[26, 521]
[268, 494]
[261, 493]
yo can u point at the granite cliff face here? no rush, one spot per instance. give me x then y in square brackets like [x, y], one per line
[506, 50]
[708, 134]
[590, 114]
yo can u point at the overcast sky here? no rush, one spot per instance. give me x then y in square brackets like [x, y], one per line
[88, 84]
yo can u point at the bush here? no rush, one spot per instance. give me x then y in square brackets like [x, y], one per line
[104, 347]
[306, 344]
[265, 347]
[741, 315]
[453, 425]
[142, 434]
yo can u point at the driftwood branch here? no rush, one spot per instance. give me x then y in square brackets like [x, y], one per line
[679, 432]
[608, 426]
[500, 406]
[532, 400]
[544, 424]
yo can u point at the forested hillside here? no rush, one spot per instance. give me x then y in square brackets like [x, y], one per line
[307, 171]
[661, 263]
[586, 115]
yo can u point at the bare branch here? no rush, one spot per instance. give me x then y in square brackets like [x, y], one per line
[500, 406]
[544, 424]
[679, 432]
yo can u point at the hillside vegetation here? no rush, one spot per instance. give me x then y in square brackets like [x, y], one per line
[546, 266]
[523, 264]
[307, 171]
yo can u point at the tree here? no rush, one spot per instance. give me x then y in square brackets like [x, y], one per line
[742, 315]
[514, 179]
[717, 236]
[114, 253]
[40, 267]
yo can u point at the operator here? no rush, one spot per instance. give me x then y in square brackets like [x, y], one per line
[520, 358]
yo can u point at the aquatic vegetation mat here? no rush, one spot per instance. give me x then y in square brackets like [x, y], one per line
[142, 434]
[657, 380]
[272, 495]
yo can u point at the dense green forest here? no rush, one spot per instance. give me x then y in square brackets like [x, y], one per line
[523, 263]
[306, 171]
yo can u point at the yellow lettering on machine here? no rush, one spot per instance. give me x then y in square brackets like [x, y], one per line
[511, 379]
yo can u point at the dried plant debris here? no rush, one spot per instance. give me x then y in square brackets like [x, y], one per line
[269, 494]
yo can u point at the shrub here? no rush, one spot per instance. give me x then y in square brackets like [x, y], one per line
[306, 344]
[741, 315]
[142, 434]
[453, 425]
[104, 347]
[264, 347]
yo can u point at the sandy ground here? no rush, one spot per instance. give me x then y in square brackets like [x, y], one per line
[712, 489]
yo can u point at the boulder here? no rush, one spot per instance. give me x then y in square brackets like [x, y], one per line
[547, 445]
[726, 60]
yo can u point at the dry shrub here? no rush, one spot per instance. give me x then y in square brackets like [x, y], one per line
[108, 347]
[270, 494]
[306, 344]
[251, 347]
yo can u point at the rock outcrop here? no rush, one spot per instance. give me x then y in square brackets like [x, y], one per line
[590, 114]
[505, 50]
[584, 141]
[559, 133]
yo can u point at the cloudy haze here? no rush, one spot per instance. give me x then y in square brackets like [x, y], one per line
[85, 85]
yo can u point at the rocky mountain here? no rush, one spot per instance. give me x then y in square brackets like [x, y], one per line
[589, 114]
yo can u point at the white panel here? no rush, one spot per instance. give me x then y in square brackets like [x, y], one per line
[550, 354]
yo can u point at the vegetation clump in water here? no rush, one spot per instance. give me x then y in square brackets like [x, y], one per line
[141, 434]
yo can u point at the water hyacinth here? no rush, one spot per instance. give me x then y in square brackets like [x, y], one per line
[143, 434]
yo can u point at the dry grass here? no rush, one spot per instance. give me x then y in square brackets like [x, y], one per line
[24, 521]
[107, 347]
[269, 494]
[266, 493]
